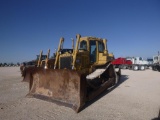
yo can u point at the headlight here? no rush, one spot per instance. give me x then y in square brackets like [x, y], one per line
[45, 67]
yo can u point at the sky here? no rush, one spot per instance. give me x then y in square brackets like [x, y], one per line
[132, 27]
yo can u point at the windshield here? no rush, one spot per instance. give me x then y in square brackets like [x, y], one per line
[83, 45]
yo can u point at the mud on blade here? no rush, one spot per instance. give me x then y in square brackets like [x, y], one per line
[60, 86]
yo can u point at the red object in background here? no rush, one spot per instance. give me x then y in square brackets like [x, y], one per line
[121, 61]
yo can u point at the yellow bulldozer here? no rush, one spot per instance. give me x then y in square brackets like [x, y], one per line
[42, 61]
[78, 76]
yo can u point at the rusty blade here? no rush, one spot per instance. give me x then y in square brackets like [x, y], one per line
[66, 87]
[27, 73]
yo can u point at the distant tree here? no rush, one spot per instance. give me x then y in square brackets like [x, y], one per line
[18, 64]
[5, 64]
[11, 64]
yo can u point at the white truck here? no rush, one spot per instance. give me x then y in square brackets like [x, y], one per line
[156, 63]
[138, 63]
[150, 62]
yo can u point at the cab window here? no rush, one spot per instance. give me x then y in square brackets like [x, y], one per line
[83, 45]
[92, 51]
[100, 47]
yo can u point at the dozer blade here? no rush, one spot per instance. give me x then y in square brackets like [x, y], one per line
[27, 73]
[62, 86]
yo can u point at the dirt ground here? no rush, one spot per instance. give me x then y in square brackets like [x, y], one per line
[137, 97]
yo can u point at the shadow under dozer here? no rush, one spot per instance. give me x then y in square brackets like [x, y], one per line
[67, 87]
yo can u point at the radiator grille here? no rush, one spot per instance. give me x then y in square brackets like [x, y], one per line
[65, 62]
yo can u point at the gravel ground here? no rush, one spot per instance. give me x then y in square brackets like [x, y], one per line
[137, 97]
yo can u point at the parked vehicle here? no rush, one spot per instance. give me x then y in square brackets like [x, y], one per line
[79, 74]
[32, 63]
[138, 63]
[156, 63]
[133, 63]
[122, 63]
[150, 62]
